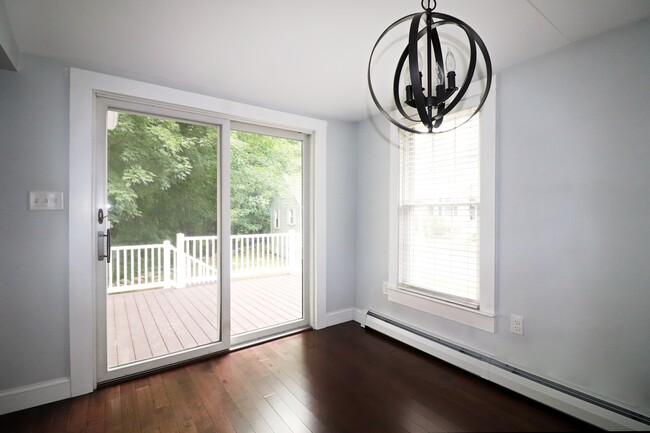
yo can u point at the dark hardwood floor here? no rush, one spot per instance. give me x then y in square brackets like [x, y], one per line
[341, 379]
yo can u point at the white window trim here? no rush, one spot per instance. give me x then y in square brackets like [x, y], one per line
[83, 87]
[484, 317]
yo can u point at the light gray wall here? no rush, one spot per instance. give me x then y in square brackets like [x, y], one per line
[33, 245]
[573, 200]
[34, 112]
[9, 53]
[340, 215]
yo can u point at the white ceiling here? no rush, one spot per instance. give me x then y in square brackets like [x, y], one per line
[295, 55]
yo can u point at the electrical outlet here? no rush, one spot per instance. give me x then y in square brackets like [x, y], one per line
[516, 324]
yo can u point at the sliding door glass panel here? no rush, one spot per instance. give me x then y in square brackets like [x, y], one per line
[266, 196]
[162, 282]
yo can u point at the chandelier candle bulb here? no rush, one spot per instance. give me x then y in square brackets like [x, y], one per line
[450, 63]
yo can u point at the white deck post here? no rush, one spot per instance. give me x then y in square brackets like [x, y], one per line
[180, 261]
[167, 265]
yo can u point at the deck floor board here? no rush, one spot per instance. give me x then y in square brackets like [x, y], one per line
[161, 321]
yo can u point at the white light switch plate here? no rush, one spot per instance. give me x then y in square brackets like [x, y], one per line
[45, 200]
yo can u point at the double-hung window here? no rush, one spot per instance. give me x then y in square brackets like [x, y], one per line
[445, 222]
[439, 212]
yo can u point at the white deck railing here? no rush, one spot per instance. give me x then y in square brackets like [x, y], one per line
[194, 260]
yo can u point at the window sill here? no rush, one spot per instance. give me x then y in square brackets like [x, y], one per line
[467, 316]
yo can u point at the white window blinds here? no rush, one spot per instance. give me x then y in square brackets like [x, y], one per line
[439, 212]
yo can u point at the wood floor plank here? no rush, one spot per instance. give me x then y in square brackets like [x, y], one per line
[174, 384]
[241, 396]
[189, 322]
[260, 293]
[339, 391]
[165, 419]
[367, 373]
[141, 346]
[20, 422]
[96, 428]
[158, 392]
[289, 296]
[60, 417]
[182, 333]
[78, 414]
[145, 408]
[96, 408]
[111, 337]
[129, 414]
[236, 328]
[455, 397]
[207, 321]
[211, 394]
[341, 379]
[192, 403]
[308, 415]
[308, 418]
[124, 342]
[396, 381]
[257, 303]
[253, 312]
[259, 393]
[288, 285]
[113, 410]
[152, 332]
[172, 343]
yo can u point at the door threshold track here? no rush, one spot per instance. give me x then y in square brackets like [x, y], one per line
[269, 338]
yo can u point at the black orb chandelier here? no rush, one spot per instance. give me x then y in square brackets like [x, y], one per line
[420, 81]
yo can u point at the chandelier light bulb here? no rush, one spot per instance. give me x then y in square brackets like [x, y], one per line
[440, 78]
[450, 61]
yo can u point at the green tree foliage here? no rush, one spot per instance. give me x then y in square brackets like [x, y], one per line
[262, 167]
[162, 179]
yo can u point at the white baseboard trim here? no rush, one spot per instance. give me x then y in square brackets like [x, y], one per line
[360, 316]
[339, 316]
[12, 400]
[581, 409]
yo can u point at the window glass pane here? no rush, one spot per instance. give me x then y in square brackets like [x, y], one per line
[440, 211]
[266, 288]
[163, 291]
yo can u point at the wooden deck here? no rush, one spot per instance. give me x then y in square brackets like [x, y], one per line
[152, 323]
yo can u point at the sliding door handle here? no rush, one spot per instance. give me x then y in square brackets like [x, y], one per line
[101, 253]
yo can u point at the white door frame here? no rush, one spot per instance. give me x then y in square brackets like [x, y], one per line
[82, 201]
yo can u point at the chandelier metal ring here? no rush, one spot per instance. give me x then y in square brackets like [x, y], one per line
[443, 103]
[428, 7]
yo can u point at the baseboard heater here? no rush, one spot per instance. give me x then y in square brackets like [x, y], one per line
[574, 402]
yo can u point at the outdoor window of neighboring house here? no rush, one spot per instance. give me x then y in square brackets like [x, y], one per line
[276, 219]
[445, 220]
[290, 217]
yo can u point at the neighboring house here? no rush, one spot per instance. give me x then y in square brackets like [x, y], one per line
[286, 211]
[286, 215]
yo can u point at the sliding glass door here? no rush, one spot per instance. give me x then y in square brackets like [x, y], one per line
[160, 221]
[199, 232]
[268, 219]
